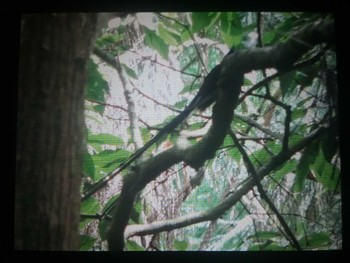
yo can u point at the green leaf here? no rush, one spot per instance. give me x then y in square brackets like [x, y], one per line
[288, 167]
[303, 168]
[327, 174]
[110, 203]
[131, 73]
[108, 40]
[306, 75]
[190, 88]
[180, 104]
[264, 235]
[200, 21]
[105, 138]
[90, 206]
[231, 29]
[86, 242]
[136, 213]
[169, 37]
[145, 134]
[122, 156]
[298, 113]
[180, 245]
[260, 157]
[287, 82]
[133, 246]
[102, 228]
[154, 41]
[99, 109]
[83, 223]
[196, 125]
[315, 240]
[247, 82]
[97, 86]
[269, 37]
[185, 35]
[107, 160]
[88, 166]
[233, 37]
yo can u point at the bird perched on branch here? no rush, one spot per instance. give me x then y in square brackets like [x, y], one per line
[208, 91]
[206, 95]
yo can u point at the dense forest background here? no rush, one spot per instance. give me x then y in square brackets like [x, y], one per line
[144, 70]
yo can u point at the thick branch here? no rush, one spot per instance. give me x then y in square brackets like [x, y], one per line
[233, 66]
[284, 55]
[194, 155]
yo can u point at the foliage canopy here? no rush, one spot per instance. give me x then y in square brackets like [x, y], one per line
[164, 57]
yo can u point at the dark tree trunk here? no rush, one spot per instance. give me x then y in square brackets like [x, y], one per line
[54, 51]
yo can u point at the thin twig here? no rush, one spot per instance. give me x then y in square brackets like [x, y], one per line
[287, 121]
[164, 65]
[262, 192]
[191, 35]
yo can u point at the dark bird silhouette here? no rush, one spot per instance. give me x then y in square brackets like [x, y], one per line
[206, 95]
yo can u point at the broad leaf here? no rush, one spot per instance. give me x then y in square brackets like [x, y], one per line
[327, 174]
[131, 73]
[97, 86]
[298, 113]
[169, 37]
[264, 235]
[315, 240]
[136, 213]
[86, 242]
[154, 41]
[180, 245]
[269, 37]
[88, 166]
[200, 21]
[303, 168]
[287, 82]
[102, 228]
[90, 206]
[133, 246]
[104, 138]
[288, 167]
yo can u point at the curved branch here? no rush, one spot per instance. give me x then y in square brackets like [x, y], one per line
[194, 156]
[233, 67]
[284, 55]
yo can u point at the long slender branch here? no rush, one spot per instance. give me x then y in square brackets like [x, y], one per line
[231, 200]
[262, 192]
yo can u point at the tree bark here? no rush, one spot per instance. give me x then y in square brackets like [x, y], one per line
[54, 51]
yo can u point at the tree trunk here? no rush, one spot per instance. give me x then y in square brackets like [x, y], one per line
[54, 50]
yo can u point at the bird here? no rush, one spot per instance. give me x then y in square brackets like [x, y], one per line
[208, 91]
[206, 96]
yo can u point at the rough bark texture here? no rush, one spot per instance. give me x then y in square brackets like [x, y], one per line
[54, 51]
